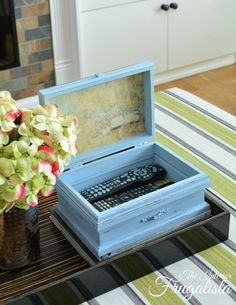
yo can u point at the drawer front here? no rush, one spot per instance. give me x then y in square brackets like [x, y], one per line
[156, 223]
[87, 5]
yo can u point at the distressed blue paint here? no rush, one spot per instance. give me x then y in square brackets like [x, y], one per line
[123, 226]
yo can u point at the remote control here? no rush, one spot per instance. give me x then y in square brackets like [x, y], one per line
[117, 199]
[132, 177]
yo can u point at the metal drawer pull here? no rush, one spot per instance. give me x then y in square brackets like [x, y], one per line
[165, 7]
[154, 217]
[174, 5]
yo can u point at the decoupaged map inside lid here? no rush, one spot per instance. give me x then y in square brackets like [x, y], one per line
[107, 112]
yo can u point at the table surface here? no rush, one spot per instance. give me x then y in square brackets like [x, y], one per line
[58, 260]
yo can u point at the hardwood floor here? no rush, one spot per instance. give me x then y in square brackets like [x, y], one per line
[216, 86]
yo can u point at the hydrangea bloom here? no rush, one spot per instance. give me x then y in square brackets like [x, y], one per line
[35, 145]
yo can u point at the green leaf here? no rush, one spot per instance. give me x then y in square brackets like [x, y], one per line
[38, 182]
[42, 155]
[7, 125]
[36, 141]
[39, 110]
[22, 146]
[16, 152]
[39, 122]
[15, 179]
[7, 167]
[54, 127]
[32, 150]
[22, 165]
[27, 115]
[50, 179]
[4, 138]
[7, 96]
[40, 119]
[40, 126]
[47, 189]
[23, 169]
[32, 199]
[24, 130]
[2, 179]
[9, 194]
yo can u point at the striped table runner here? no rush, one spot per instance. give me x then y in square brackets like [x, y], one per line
[206, 278]
[204, 135]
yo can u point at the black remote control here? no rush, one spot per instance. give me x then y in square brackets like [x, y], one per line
[132, 177]
[122, 197]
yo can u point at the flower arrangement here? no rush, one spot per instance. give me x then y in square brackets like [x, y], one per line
[35, 145]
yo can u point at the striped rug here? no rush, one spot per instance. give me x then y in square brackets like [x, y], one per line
[204, 135]
[206, 278]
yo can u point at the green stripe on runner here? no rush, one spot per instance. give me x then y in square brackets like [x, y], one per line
[222, 260]
[217, 256]
[220, 183]
[197, 118]
[155, 293]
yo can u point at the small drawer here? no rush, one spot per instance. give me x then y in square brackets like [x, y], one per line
[87, 5]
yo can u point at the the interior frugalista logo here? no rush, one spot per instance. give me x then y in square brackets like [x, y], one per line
[202, 283]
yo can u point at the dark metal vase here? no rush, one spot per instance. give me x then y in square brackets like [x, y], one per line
[19, 238]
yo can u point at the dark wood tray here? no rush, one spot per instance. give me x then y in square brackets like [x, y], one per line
[59, 261]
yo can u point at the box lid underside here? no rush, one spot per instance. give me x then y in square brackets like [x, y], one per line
[115, 110]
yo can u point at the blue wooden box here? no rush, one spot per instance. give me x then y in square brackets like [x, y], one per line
[116, 115]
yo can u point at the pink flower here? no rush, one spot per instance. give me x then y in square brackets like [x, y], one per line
[47, 149]
[23, 117]
[51, 106]
[74, 148]
[45, 194]
[56, 169]
[33, 203]
[51, 109]
[13, 114]
[74, 122]
[21, 192]
[44, 166]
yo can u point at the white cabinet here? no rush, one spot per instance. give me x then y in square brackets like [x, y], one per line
[108, 34]
[117, 33]
[200, 30]
[121, 35]
[87, 5]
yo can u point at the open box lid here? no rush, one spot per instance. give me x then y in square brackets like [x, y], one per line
[115, 110]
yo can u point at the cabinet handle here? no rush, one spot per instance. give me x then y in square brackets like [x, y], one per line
[174, 5]
[165, 7]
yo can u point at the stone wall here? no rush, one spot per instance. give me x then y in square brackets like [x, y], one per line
[36, 70]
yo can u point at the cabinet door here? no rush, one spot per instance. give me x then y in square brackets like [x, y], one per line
[201, 30]
[122, 35]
